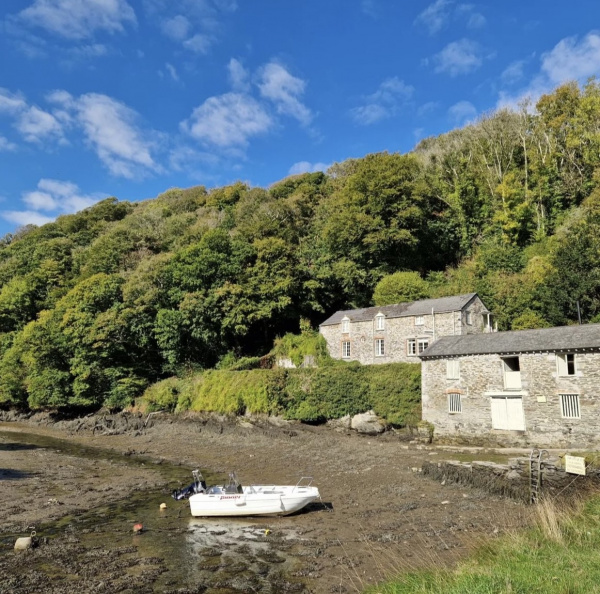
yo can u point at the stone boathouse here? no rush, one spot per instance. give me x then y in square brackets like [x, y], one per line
[539, 387]
[401, 332]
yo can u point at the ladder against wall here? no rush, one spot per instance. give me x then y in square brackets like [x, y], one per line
[536, 461]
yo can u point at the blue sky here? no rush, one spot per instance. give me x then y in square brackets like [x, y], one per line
[128, 98]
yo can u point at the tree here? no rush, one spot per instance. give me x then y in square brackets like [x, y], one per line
[400, 287]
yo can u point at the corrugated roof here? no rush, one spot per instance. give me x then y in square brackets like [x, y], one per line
[561, 338]
[400, 310]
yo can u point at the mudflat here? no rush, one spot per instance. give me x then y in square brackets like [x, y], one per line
[378, 515]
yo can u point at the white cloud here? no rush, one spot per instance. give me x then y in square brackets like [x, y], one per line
[198, 43]
[54, 197]
[568, 60]
[25, 217]
[384, 103]
[573, 60]
[172, 71]
[459, 57]
[462, 112]
[284, 90]
[37, 125]
[79, 19]
[6, 145]
[306, 167]
[512, 73]
[228, 120]
[11, 103]
[476, 21]
[238, 75]
[427, 108]
[435, 16]
[176, 28]
[111, 128]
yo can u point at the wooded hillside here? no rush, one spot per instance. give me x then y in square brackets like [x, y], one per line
[98, 305]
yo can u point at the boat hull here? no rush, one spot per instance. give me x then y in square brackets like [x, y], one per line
[256, 500]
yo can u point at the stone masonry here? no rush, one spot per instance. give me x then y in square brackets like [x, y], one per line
[481, 376]
[398, 330]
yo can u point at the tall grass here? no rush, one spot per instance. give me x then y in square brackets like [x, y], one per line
[559, 553]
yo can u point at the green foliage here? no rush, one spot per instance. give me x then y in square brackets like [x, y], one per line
[400, 287]
[311, 395]
[99, 304]
[297, 347]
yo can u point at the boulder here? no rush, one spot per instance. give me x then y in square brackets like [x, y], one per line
[343, 423]
[367, 423]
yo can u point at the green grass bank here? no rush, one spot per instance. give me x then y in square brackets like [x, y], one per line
[311, 395]
[559, 555]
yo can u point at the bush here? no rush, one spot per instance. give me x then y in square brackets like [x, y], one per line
[311, 395]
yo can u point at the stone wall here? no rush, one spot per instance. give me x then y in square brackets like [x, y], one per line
[512, 479]
[397, 331]
[482, 375]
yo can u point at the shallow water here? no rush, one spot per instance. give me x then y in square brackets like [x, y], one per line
[226, 555]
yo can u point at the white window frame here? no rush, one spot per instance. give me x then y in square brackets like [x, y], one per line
[420, 342]
[453, 369]
[419, 320]
[454, 403]
[562, 364]
[570, 406]
[346, 349]
[411, 347]
[379, 347]
[468, 318]
[503, 409]
[345, 325]
[379, 322]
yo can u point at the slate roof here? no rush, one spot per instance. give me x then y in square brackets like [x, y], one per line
[561, 338]
[401, 310]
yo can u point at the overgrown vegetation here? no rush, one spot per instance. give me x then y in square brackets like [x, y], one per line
[310, 394]
[98, 305]
[558, 555]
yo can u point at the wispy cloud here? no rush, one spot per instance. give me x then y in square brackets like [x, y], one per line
[370, 8]
[78, 19]
[228, 121]
[440, 14]
[51, 198]
[195, 24]
[459, 57]
[462, 112]
[512, 73]
[239, 77]
[435, 16]
[307, 167]
[285, 90]
[33, 123]
[112, 130]
[383, 103]
[570, 59]
[6, 145]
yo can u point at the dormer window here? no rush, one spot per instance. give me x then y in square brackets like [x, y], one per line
[380, 322]
[345, 325]
[419, 320]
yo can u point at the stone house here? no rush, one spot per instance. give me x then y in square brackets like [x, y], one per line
[538, 387]
[401, 332]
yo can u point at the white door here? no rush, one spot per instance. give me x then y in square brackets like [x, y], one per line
[507, 413]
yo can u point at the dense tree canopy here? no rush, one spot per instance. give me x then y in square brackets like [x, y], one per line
[97, 305]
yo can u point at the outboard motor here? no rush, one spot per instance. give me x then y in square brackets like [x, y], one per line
[198, 486]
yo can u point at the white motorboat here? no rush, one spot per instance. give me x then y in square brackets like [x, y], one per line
[234, 499]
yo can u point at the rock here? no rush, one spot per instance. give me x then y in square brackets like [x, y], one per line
[23, 543]
[343, 423]
[513, 475]
[367, 423]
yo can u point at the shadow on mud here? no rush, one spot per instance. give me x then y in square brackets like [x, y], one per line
[6, 474]
[13, 446]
